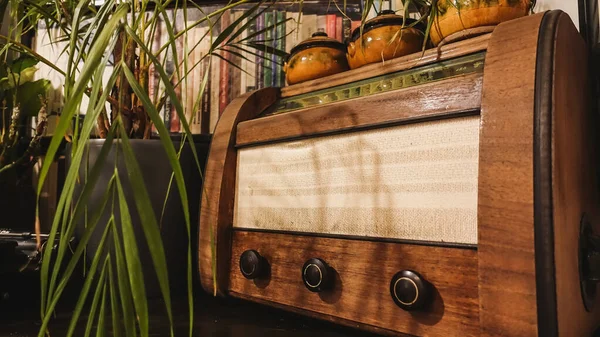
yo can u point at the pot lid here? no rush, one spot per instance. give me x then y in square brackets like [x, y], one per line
[318, 39]
[387, 18]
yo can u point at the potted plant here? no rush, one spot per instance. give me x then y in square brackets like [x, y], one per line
[122, 189]
[21, 98]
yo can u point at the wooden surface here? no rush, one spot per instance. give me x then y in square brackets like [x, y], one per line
[402, 63]
[213, 317]
[364, 271]
[219, 187]
[574, 133]
[507, 287]
[460, 95]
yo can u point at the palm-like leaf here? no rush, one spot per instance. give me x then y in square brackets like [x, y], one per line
[114, 278]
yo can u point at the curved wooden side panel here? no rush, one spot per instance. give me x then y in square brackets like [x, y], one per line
[216, 217]
[574, 181]
[506, 252]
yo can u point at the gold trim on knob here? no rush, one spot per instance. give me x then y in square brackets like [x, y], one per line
[320, 276]
[416, 291]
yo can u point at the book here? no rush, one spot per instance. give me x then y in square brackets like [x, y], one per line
[330, 29]
[175, 123]
[206, 96]
[339, 28]
[322, 23]
[308, 26]
[169, 67]
[245, 54]
[279, 44]
[259, 73]
[346, 29]
[354, 25]
[250, 74]
[215, 77]
[267, 60]
[235, 72]
[291, 31]
[224, 71]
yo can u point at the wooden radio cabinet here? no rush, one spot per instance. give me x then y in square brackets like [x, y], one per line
[450, 193]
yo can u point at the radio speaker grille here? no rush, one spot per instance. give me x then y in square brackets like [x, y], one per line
[410, 182]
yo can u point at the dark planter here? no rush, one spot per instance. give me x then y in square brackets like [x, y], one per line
[156, 172]
[17, 200]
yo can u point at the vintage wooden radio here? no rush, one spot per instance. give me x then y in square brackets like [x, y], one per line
[451, 193]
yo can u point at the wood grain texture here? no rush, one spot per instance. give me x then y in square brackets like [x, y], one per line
[574, 180]
[445, 98]
[402, 63]
[364, 271]
[219, 187]
[507, 283]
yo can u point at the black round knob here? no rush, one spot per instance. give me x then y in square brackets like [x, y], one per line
[409, 290]
[252, 265]
[317, 275]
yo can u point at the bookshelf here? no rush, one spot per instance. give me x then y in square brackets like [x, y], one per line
[234, 67]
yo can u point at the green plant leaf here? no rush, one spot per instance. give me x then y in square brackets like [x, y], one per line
[72, 101]
[68, 271]
[146, 212]
[22, 63]
[143, 96]
[124, 289]
[95, 300]
[88, 280]
[28, 96]
[100, 329]
[114, 302]
[132, 258]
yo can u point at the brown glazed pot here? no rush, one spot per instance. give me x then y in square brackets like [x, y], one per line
[384, 39]
[456, 15]
[314, 58]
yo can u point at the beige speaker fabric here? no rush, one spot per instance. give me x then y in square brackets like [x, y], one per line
[413, 182]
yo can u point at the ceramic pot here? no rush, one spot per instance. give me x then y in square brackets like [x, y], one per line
[384, 39]
[314, 58]
[456, 15]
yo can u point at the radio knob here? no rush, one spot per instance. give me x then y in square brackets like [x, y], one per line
[252, 264]
[410, 290]
[317, 275]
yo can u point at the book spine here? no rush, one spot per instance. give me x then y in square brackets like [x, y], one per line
[330, 25]
[308, 26]
[205, 111]
[291, 31]
[169, 72]
[215, 76]
[191, 77]
[175, 122]
[280, 45]
[224, 80]
[235, 72]
[346, 29]
[195, 84]
[354, 24]
[322, 23]
[267, 61]
[339, 29]
[259, 73]
[250, 65]
[246, 55]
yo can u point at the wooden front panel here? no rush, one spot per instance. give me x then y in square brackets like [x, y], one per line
[459, 95]
[361, 292]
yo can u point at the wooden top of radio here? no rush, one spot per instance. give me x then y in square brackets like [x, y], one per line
[436, 194]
